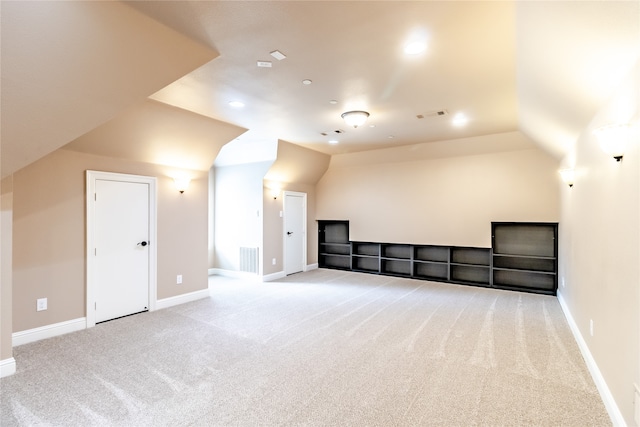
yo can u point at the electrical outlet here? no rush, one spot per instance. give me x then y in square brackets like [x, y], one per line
[41, 304]
[273, 261]
[179, 279]
[591, 326]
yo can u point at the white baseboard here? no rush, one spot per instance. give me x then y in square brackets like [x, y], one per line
[273, 276]
[7, 367]
[48, 331]
[312, 267]
[607, 398]
[233, 274]
[181, 299]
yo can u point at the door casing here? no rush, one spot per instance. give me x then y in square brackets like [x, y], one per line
[91, 178]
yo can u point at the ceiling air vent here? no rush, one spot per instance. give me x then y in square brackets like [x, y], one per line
[435, 113]
[338, 131]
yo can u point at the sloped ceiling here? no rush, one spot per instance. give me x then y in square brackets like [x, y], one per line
[69, 66]
[571, 57]
[153, 132]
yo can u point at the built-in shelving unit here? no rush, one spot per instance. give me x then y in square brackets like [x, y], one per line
[523, 257]
[334, 248]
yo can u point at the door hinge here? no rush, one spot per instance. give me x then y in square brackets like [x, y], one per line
[95, 252]
[95, 197]
[95, 306]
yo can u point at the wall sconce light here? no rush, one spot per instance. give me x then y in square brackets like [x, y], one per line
[568, 176]
[275, 192]
[355, 118]
[181, 183]
[613, 139]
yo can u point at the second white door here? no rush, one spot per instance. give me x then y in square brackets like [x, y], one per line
[295, 239]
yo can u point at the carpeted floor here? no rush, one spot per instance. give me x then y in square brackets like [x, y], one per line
[322, 348]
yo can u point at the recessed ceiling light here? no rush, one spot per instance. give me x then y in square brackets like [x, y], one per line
[372, 126]
[278, 55]
[415, 47]
[459, 120]
[264, 64]
[306, 82]
[333, 141]
[333, 102]
[236, 104]
[391, 137]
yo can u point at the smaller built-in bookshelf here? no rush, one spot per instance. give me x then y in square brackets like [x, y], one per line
[334, 248]
[523, 257]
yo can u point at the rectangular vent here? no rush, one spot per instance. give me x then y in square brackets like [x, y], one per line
[249, 260]
[436, 113]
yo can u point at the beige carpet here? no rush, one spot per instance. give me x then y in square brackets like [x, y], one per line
[323, 348]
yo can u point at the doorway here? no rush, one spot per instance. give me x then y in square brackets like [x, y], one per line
[121, 245]
[295, 232]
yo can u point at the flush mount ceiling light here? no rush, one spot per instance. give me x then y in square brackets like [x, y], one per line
[355, 118]
[236, 104]
[333, 141]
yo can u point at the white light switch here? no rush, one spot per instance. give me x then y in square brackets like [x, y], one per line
[41, 304]
[179, 279]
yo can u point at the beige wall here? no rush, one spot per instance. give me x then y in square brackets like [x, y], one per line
[49, 234]
[600, 248]
[447, 200]
[6, 238]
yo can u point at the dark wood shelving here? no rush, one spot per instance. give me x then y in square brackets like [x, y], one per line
[523, 257]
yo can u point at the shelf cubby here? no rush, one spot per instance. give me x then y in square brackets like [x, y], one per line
[365, 249]
[396, 251]
[431, 253]
[395, 267]
[438, 271]
[368, 264]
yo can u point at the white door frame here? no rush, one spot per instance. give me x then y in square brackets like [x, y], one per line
[304, 229]
[92, 176]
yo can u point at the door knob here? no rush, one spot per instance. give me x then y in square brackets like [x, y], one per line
[143, 243]
[289, 233]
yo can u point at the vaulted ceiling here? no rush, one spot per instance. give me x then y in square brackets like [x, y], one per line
[91, 73]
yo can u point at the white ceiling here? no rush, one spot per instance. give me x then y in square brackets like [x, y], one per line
[352, 52]
[535, 67]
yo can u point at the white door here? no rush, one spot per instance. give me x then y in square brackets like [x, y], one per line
[119, 249]
[295, 239]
